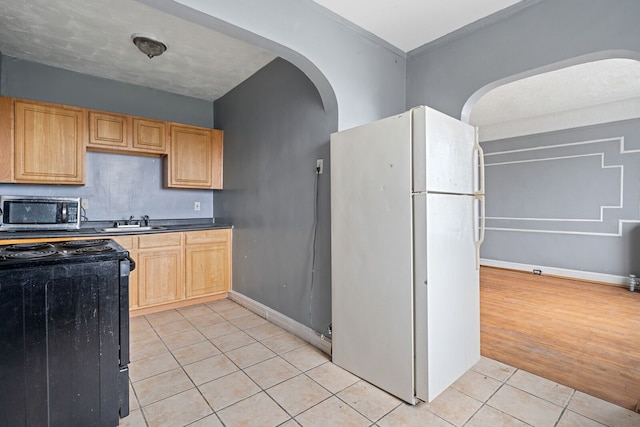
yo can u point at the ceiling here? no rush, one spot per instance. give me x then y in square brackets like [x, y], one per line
[567, 89]
[594, 92]
[94, 37]
[408, 24]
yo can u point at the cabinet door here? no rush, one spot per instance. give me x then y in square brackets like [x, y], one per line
[109, 130]
[6, 140]
[207, 269]
[150, 135]
[217, 158]
[160, 269]
[49, 143]
[160, 277]
[191, 158]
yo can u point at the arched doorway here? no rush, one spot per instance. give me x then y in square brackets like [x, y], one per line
[561, 148]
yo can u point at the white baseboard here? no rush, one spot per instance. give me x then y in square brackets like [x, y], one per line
[298, 329]
[574, 274]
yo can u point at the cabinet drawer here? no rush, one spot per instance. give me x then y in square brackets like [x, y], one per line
[159, 240]
[126, 241]
[207, 236]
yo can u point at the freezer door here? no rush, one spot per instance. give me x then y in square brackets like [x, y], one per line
[447, 292]
[444, 159]
[371, 254]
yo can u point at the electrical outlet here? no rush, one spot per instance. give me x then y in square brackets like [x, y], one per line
[196, 206]
[85, 203]
[319, 166]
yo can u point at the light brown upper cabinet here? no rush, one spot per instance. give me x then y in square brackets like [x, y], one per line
[109, 131]
[150, 135]
[6, 140]
[42, 143]
[118, 133]
[195, 158]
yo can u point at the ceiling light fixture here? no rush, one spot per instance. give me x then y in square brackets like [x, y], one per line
[148, 45]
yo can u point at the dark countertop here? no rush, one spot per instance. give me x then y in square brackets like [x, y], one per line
[92, 229]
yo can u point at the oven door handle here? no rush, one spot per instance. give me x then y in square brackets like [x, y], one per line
[132, 263]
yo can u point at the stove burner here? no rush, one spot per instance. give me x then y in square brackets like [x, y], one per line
[84, 243]
[92, 250]
[28, 247]
[25, 254]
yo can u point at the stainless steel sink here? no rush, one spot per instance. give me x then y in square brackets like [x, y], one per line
[129, 229]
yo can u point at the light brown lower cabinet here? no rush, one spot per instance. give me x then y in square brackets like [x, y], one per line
[160, 269]
[178, 269]
[208, 262]
[172, 269]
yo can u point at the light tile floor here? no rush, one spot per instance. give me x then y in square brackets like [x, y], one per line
[218, 364]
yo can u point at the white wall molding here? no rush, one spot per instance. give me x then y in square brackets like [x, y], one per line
[610, 279]
[580, 145]
[298, 329]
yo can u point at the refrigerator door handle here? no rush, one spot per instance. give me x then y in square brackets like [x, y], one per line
[479, 153]
[478, 242]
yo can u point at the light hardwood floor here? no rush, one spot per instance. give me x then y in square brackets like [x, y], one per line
[579, 334]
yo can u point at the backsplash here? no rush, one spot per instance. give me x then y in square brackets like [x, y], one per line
[118, 186]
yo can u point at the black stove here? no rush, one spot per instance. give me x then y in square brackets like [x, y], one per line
[21, 254]
[23, 247]
[74, 244]
[64, 333]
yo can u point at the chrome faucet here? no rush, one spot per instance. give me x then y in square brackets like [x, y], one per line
[145, 220]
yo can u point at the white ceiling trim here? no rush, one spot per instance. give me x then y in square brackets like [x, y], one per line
[596, 114]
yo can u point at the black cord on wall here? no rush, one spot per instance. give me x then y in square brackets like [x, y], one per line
[314, 243]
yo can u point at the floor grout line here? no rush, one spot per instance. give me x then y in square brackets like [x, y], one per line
[237, 362]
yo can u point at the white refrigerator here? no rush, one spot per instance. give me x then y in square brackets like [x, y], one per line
[407, 222]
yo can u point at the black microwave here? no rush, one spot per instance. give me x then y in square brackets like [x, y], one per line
[39, 213]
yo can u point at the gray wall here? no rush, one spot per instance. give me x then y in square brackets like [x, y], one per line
[275, 129]
[546, 35]
[117, 186]
[360, 78]
[566, 199]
